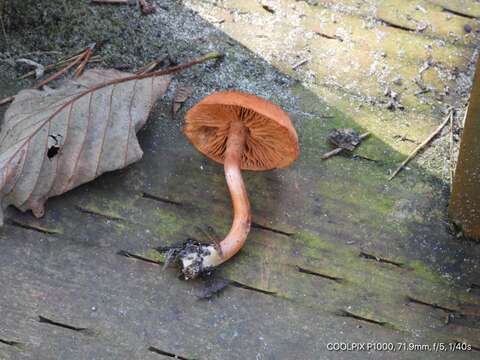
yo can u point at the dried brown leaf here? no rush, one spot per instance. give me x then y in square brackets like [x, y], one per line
[182, 93]
[54, 141]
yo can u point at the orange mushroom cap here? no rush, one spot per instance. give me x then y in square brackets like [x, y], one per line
[271, 142]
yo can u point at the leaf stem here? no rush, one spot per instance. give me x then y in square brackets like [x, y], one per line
[171, 70]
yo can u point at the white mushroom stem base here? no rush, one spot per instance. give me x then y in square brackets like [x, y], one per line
[199, 260]
[204, 257]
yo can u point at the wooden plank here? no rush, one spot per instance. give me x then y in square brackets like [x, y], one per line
[428, 18]
[439, 19]
[338, 254]
[356, 61]
[138, 306]
[316, 244]
[460, 7]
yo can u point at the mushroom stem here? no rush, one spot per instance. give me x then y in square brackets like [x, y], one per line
[240, 228]
[196, 258]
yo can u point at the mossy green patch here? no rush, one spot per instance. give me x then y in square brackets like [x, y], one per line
[167, 223]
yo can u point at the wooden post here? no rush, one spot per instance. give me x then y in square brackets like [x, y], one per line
[464, 207]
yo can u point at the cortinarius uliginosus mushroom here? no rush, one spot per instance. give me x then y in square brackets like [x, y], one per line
[241, 131]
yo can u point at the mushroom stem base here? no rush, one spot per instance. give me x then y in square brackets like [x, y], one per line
[196, 258]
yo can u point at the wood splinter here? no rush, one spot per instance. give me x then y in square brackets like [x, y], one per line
[447, 120]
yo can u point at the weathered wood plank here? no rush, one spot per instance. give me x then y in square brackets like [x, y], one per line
[314, 245]
[353, 60]
[159, 310]
[460, 7]
[338, 254]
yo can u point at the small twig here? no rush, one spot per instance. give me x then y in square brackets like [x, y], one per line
[74, 55]
[39, 69]
[96, 58]
[300, 63]
[77, 59]
[148, 68]
[62, 71]
[423, 144]
[171, 70]
[331, 153]
[86, 59]
[48, 67]
[151, 66]
[7, 100]
[339, 149]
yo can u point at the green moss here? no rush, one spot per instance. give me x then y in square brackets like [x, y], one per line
[167, 223]
[423, 272]
[314, 241]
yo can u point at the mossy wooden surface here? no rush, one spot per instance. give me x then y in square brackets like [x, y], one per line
[336, 254]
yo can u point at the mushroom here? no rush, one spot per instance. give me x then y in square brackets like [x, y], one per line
[242, 132]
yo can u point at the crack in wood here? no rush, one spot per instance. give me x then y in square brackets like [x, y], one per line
[454, 12]
[330, 37]
[396, 26]
[349, 314]
[432, 305]
[45, 320]
[10, 342]
[365, 158]
[218, 285]
[94, 212]
[36, 228]
[149, 196]
[252, 288]
[266, 228]
[137, 257]
[315, 273]
[268, 9]
[367, 256]
[167, 353]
